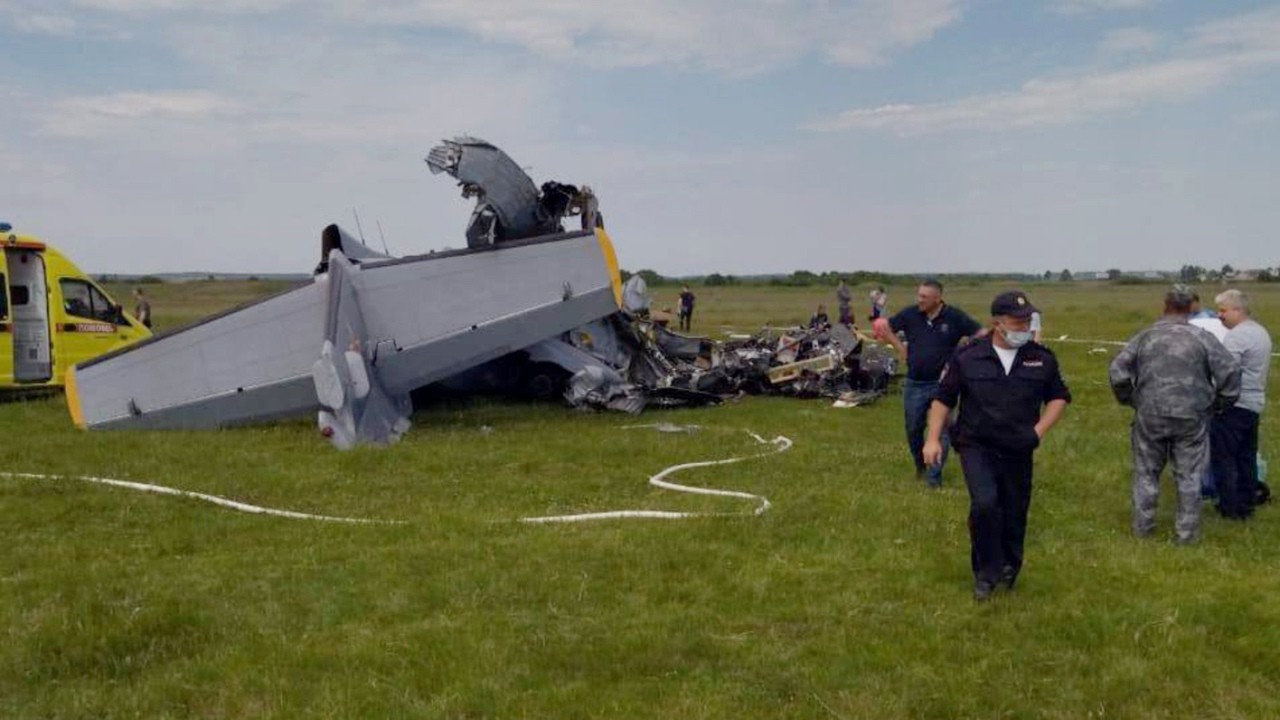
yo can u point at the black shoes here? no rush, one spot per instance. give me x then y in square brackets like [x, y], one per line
[1008, 576]
[983, 590]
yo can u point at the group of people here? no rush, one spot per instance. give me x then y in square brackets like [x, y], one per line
[993, 392]
[1198, 400]
[844, 301]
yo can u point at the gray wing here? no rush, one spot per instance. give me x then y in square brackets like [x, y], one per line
[424, 318]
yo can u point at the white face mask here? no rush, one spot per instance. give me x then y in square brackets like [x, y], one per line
[1015, 338]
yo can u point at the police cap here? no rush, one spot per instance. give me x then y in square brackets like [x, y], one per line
[1013, 303]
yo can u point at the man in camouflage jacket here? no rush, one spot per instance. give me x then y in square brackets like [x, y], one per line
[1175, 376]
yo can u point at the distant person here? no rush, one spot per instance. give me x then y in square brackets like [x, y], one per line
[819, 320]
[141, 307]
[844, 302]
[1037, 327]
[1233, 435]
[1214, 326]
[933, 330]
[879, 303]
[1175, 376]
[1198, 312]
[1010, 392]
[687, 298]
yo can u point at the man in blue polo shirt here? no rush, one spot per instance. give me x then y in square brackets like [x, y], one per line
[933, 330]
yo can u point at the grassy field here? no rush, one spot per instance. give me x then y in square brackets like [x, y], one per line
[849, 599]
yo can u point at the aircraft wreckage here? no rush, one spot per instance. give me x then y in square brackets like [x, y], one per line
[527, 306]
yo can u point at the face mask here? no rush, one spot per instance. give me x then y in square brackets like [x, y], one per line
[1015, 338]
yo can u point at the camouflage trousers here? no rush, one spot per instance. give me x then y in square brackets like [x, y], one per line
[1157, 441]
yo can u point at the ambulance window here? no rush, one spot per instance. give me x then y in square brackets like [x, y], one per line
[4, 299]
[21, 295]
[81, 299]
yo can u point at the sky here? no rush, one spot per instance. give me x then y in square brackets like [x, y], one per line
[731, 136]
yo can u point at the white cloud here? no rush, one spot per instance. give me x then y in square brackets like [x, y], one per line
[1072, 7]
[735, 36]
[1219, 53]
[1259, 30]
[275, 133]
[214, 6]
[1259, 116]
[96, 115]
[1125, 41]
[41, 24]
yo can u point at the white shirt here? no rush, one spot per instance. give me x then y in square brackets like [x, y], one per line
[1213, 325]
[1007, 356]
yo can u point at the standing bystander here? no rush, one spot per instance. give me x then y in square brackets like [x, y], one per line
[1233, 435]
[933, 330]
[141, 307]
[1010, 392]
[1175, 376]
[687, 299]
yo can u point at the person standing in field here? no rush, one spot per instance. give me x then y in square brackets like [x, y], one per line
[687, 299]
[844, 302]
[879, 301]
[1037, 327]
[141, 307]
[933, 330]
[1233, 435]
[819, 319]
[1198, 312]
[1010, 392]
[1175, 376]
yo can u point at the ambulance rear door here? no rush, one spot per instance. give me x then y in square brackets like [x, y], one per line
[28, 321]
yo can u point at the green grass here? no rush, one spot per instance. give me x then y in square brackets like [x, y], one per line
[850, 598]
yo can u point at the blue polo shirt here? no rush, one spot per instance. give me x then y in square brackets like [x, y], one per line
[931, 342]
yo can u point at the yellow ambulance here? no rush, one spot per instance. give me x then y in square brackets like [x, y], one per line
[52, 316]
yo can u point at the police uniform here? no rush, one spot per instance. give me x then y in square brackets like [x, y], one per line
[1175, 376]
[996, 437]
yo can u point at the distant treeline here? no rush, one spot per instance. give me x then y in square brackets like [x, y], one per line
[190, 277]
[806, 278]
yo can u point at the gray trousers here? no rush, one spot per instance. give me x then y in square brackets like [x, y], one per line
[1156, 441]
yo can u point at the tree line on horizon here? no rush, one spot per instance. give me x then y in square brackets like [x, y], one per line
[807, 278]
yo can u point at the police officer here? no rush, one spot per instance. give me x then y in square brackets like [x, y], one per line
[1010, 393]
[1175, 375]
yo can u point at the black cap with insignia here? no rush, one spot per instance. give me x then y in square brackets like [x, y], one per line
[1013, 303]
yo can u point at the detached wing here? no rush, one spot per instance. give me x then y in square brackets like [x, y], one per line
[426, 318]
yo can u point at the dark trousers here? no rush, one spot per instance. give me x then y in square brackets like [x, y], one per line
[999, 498]
[686, 319]
[917, 396]
[1233, 455]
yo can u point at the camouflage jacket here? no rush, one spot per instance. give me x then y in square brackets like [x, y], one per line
[1175, 369]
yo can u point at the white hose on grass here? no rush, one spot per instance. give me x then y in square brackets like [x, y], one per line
[778, 444]
[1116, 343]
[224, 502]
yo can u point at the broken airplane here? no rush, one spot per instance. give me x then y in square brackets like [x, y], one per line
[352, 344]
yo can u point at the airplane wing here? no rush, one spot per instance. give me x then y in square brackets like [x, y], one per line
[425, 318]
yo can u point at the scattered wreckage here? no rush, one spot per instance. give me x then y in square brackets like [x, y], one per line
[527, 305]
[630, 360]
